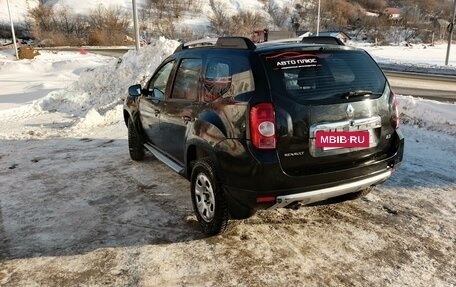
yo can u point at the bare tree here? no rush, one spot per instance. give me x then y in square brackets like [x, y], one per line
[245, 23]
[219, 21]
[177, 7]
[156, 8]
[339, 14]
[279, 15]
[42, 16]
[157, 18]
[108, 26]
[374, 5]
[165, 27]
[196, 6]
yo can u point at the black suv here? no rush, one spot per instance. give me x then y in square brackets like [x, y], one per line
[266, 126]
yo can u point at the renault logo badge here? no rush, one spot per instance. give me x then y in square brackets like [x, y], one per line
[350, 111]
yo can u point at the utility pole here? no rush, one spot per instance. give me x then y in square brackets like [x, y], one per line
[136, 26]
[318, 18]
[450, 33]
[12, 29]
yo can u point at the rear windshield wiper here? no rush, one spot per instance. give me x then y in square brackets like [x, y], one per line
[358, 93]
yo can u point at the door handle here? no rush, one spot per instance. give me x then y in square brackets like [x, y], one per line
[157, 112]
[186, 119]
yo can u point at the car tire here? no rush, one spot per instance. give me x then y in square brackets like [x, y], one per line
[135, 142]
[209, 202]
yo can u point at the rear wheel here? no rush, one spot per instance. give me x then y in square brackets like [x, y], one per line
[208, 200]
[135, 143]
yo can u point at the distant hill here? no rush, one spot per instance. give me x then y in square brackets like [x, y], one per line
[190, 19]
[194, 17]
[19, 7]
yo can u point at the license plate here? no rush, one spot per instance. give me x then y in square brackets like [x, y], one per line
[340, 140]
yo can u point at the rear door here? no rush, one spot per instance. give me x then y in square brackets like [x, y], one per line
[322, 91]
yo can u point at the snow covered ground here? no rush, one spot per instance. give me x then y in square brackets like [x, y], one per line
[421, 55]
[416, 58]
[75, 210]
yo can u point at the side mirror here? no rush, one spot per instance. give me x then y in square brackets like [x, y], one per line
[134, 91]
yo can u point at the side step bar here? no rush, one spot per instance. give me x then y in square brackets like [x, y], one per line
[323, 194]
[163, 158]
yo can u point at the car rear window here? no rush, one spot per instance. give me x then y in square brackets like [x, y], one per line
[325, 76]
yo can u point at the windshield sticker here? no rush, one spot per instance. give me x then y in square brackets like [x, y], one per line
[293, 60]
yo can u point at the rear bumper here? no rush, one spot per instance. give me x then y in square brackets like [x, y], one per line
[246, 180]
[325, 193]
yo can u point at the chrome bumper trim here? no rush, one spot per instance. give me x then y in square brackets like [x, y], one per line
[323, 194]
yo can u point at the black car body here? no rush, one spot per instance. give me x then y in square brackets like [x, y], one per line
[251, 119]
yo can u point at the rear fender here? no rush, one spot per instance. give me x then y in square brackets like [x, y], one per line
[206, 132]
[198, 148]
[209, 125]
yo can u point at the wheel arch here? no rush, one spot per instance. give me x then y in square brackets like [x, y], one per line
[126, 115]
[134, 115]
[198, 149]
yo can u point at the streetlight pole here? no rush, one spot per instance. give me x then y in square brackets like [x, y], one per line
[450, 33]
[136, 26]
[12, 29]
[318, 18]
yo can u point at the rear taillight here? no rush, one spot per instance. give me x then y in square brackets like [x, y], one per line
[262, 126]
[394, 110]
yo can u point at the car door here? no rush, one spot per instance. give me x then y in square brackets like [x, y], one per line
[181, 107]
[152, 103]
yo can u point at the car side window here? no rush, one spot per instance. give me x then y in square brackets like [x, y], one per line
[218, 78]
[157, 85]
[187, 80]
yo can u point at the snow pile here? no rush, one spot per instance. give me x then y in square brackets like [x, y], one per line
[101, 90]
[427, 113]
[27, 80]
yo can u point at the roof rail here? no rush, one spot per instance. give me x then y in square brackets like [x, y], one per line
[235, 43]
[322, 40]
[281, 41]
[201, 43]
[196, 43]
[222, 42]
[328, 40]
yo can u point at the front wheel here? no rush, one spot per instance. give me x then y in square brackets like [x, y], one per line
[208, 200]
[135, 143]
